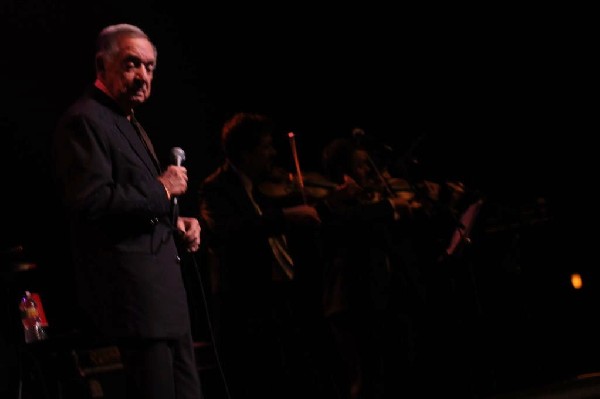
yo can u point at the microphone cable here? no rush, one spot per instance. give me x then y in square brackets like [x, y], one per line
[204, 299]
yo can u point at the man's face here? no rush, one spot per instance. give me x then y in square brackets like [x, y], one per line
[361, 168]
[128, 75]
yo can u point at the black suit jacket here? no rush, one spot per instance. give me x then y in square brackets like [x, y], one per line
[124, 252]
[237, 235]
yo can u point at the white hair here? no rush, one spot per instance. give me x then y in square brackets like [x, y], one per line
[106, 43]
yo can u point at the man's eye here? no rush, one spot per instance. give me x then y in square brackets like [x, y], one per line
[129, 65]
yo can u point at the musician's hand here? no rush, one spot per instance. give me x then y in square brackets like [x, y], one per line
[302, 214]
[432, 190]
[457, 192]
[404, 204]
[348, 190]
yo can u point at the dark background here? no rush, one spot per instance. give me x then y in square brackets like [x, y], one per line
[498, 102]
[498, 99]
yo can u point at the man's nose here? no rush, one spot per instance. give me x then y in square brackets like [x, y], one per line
[143, 73]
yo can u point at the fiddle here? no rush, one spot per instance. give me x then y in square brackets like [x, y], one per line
[383, 185]
[425, 189]
[283, 185]
[425, 194]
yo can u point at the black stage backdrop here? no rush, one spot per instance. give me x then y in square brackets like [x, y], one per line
[499, 102]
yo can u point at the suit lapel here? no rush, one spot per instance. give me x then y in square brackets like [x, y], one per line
[127, 129]
[138, 145]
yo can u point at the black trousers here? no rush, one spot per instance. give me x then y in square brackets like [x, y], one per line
[160, 369]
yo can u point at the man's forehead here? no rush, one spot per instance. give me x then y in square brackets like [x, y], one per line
[139, 45]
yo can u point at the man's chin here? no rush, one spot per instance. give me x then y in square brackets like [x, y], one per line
[136, 100]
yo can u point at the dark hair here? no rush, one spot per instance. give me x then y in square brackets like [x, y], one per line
[337, 158]
[242, 132]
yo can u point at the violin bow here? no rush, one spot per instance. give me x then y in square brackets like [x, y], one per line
[292, 138]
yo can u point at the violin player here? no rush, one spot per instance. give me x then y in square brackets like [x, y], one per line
[268, 337]
[366, 289]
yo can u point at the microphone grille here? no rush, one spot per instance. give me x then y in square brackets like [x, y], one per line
[177, 154]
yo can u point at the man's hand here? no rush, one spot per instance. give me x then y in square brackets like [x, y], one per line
[190, 232]
[175, 180]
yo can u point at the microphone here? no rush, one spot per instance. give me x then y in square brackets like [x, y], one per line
[177, 155]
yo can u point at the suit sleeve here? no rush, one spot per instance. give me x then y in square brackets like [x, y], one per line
[101, 176]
